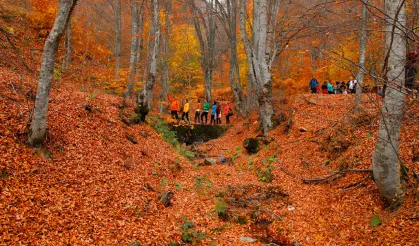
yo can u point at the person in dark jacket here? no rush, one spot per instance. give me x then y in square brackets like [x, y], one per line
[313, 85]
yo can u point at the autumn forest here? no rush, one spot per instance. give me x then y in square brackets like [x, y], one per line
[209, 122]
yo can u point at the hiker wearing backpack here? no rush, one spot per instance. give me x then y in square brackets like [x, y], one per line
[186, 111]
[174, 107]
[313, 85]
[205, 111]
[228, 112]
[214, 113]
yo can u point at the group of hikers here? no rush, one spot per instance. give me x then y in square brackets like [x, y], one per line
[327, 87]
[201, 111]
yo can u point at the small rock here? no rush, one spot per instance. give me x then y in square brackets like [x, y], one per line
[247, 239]
[290, 208]
[88, 108]
[131, 139]
[166, 198]
[302, 129]
[251, 145]
[209, 161]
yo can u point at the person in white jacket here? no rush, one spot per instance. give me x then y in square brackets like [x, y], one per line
[351, 86]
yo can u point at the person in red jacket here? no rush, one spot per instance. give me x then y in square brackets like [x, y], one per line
[174, 107]
[228, 112]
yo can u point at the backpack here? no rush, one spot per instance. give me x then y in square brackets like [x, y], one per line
[230, 112]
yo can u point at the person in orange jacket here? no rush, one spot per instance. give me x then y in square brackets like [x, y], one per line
[174, 107]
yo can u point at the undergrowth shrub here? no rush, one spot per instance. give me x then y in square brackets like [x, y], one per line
[189, 235]
[168, 135]
[202, 184]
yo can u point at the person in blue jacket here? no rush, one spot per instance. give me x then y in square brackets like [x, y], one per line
[313, 85]
[329, 88]
[214, 113]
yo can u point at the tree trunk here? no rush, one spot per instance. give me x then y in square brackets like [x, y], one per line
[153, 51]
[39, 119]
[258, 61]
[69, 47]
[362, 51]
[235, 82]
[249, 55]
[207, 44]
[118, 38]
[166, 51]
[134, 49]
[140, 38]
[385, 162]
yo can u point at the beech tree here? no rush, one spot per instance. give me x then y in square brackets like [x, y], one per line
[258, 59]
[166, 53]
[205, 28]
[118, 39]
[228, 15]
[134, 47]
[153, 51]
[362, 51]
[385, 163]
[69, 47]
[39, 118]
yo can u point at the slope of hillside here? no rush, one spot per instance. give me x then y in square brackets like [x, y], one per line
[327, 137]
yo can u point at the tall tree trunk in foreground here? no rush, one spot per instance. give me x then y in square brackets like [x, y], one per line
[153, 51]
[166, 54]
[206, 43]
[39, 119]
[134, 48]
[385, 162]
[249, 53]
[228, 10]
[118, 38]
[362, 51]
[140, 38]
[69, 47]
[258, 60]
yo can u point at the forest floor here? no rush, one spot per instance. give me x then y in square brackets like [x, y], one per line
[98, 181]
[94, 186]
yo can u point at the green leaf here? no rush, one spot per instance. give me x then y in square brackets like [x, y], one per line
[134, 244]
[375, 220]
[189, 154]
[178, 186]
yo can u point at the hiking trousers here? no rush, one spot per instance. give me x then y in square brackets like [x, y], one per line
[185, 114]
[204, 114]
[174, 114]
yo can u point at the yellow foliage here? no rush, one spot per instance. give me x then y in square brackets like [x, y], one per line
[43, 14]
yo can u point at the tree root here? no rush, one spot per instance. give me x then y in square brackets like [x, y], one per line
[326, 179]
[355, 184]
